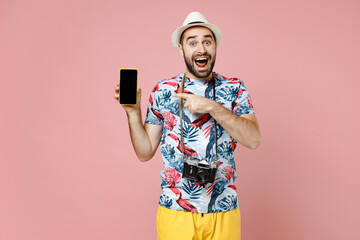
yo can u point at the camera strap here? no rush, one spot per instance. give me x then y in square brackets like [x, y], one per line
[182, 144]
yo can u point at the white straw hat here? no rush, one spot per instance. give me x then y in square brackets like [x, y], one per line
[195, 19]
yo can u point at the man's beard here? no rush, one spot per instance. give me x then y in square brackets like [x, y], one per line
[189, 64]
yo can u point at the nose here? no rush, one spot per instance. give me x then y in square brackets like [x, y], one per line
[201, 48]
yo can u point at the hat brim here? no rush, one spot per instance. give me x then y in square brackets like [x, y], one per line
[175, 38]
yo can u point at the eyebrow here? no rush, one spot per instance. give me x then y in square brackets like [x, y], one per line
[195, 36]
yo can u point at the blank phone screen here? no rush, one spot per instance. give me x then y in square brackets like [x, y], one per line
[128, 86]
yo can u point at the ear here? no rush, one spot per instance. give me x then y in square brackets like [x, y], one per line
[181, 50]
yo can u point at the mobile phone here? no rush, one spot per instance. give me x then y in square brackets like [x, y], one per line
[128, 86]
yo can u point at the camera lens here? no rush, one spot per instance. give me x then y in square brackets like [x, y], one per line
[202, 176]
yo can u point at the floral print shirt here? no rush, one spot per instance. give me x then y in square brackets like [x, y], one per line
[199, 136]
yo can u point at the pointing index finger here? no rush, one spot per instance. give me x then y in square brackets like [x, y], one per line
[182, 95]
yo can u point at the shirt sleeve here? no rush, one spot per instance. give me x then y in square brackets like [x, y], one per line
[153, 114]
[243, 103]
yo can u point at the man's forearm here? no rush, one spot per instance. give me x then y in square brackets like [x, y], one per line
[244, 129]
[144, 137]
[139, 137]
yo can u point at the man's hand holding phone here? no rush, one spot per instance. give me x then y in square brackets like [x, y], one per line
[128, 107]
[127, 92]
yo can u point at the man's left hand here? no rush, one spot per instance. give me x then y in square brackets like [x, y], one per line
[195, 103]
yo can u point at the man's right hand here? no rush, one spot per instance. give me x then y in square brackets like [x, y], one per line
[128, 108]
[145, 138]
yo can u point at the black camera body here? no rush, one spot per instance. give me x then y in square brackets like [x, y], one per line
[199, 170]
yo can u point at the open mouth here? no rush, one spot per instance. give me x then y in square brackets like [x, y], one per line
[201, 61]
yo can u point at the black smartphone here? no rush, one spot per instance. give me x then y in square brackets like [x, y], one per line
[128, 86]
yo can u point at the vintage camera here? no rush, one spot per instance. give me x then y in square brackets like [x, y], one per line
[199, 170]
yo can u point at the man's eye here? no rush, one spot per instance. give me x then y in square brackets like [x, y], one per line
[192, 44]
[207, 42]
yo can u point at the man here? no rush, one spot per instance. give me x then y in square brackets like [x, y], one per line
[214, 114]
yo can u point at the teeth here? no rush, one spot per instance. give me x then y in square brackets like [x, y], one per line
[201, 59]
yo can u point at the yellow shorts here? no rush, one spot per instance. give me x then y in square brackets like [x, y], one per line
[179, 225]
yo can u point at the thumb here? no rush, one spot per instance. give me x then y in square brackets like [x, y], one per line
[138, 97]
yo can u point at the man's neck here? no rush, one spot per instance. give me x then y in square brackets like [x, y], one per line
[192, 76]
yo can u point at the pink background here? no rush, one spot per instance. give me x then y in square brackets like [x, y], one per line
[67, 168]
